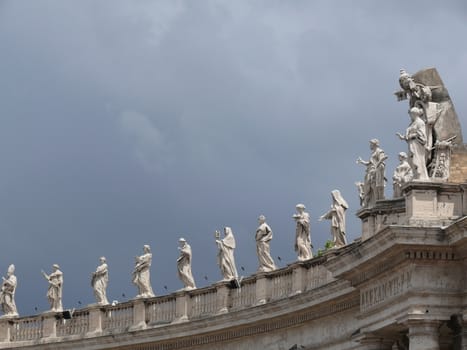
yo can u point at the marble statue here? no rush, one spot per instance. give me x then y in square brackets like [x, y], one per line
[337, 216]
[426, 91]
[7, 294]
[402, 174]
[263, 238]
[302, 233]
[184, 265]
[441, 164]
[141, 273]
[99, 281]
[225, 256]
[415, 136]
[374, 182]
[54, 292]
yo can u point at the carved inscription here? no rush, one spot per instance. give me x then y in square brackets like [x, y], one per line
[385, 290]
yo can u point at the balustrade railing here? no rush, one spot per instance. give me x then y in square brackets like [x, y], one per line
[118, 317]
[180, 306]
[203, 302]
[77, 324]
[160, 310]
[244, 296]
[281, 284]
[29, 328]
[317, 276]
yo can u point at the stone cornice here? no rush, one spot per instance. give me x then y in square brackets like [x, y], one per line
[382, 249]
[329, 299]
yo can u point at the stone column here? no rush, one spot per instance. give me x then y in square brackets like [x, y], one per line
[222, 294]
[181, 307]
[49, 325]
[298, 278]
[262, 284]
[139, 315]
[95, 321]
[424, 334]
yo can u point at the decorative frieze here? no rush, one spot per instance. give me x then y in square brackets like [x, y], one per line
[383, 290]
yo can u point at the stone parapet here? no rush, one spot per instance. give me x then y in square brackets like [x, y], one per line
[458, 166]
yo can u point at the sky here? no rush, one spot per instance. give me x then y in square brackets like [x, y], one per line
[126, 123]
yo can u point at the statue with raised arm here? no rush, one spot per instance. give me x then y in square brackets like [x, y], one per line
[141, 273]
[263, 238]
[225, 256]
[302, 233]
[402, 174]
[337, 216]
[7, 294]
[426, 91]
[374, 182]
[54, 292]
[415, 136]
[99, 281]
[184, 265]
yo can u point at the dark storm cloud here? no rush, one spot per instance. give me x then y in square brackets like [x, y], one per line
[125, 123]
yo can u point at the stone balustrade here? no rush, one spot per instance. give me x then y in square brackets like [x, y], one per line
[181, 306]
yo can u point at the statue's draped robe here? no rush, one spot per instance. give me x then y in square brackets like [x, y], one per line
[225, 256]
[184, 267]
[141, 275]
[54, 292]
[302, 237]
[416, 140]
[263, 238]
[7, 296]
[99, 283]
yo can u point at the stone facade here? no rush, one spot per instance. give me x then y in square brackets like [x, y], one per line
[402, 286]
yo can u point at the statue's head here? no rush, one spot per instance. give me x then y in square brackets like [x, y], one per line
[300, 208]
[146, 248]
[11, 270]
[55, 267]
[405, 80]
[415, 112]
[182, 242]
[402, 156]
[261, 219]
[102, 260]
[374, 143]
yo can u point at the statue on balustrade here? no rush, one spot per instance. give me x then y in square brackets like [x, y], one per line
[263, 239]
[141, 273]
[7, 294]
[225, 256]
[184, 265]
[415, 136]
[302, 233]
[337, 216]
[54, 292]
[426, 91]
[99, 282]
[374, 182]
[402, 174]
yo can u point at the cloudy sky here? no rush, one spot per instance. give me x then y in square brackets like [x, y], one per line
[126, 123]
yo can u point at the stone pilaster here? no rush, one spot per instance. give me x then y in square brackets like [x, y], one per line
[139, 315]
[424, 334]
[4, 330]
[49, 325]
[298, 278]
[262, 284]
[181, 307]
[222, 297]
[95, 321]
